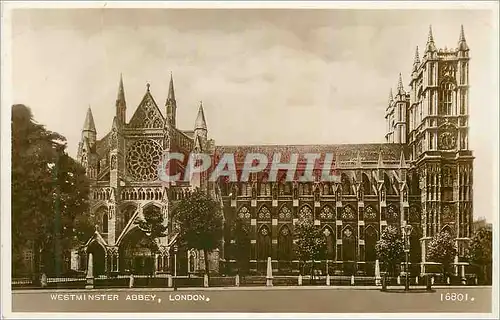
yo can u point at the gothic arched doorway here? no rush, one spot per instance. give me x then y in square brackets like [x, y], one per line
[98, 258]
[137, 253]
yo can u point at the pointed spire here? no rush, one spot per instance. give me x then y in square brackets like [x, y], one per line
[430, 47]
[171, 92]
[147, 86]
[391, 98]
[416, 61]
[402, 161]
[121, 92]
[115, 123]
[462, 44]
[200, 119]
[380, 162]
[89, 124]
[401, 89]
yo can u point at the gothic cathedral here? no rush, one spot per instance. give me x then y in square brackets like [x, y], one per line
[421, 176]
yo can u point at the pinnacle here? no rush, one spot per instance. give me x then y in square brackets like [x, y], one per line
[391, 98]
[402, 161]
[430, 41]
[462, 44]
[121, 91]
[200, 119]
[89, 124]
[400, 85]
[417, 58]
[171, 92]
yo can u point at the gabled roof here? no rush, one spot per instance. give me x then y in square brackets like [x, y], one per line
[147, 114]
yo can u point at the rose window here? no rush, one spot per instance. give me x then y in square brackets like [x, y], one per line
[284, 231]
[327, 232]
[305, 214]
[264, 213]
[143, 158]
[370, 213]
[348, 213]
[285, 213]
[326, 213]
[244, 213]
[264, 231]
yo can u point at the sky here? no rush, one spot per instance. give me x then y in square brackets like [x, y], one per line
[274, 76]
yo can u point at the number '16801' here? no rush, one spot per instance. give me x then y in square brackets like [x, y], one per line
[453, 296]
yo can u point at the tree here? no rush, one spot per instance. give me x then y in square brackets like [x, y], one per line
[311, 242]
[479, 251]
[241, 247]
[200, 223]
[152, 224]
[390, 249]
[442, 249]
[49, 193]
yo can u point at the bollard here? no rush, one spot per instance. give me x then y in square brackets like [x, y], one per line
[300, 280]
[327, 279]
[205, 280]
[384, 283]
[399, 280]
[90, 272]
[169, 281]
[43, 280]
[428, 283]
[432, 280]
[448, 280]
[416, 280]
[352, 280]
[237, 280]
[131, 281]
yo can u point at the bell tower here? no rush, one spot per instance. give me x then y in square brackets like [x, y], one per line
[438, 140]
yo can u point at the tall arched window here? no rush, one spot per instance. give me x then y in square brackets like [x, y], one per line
[128, 212]
[105, 222]
[446, 98]
[102, 215]
[370, 242]
[346, 184]
[285, 244]
[348, 245]
[264, 243]
[330, 243]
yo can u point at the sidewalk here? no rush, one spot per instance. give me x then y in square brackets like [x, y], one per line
[255, 288]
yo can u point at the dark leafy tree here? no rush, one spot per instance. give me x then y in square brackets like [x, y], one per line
[49, 194]
[311, 243]
[480, 251]
[390, 249]
[442, 249]
[200, 222]
[241, 248]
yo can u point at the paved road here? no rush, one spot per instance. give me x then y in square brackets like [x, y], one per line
[283, 300]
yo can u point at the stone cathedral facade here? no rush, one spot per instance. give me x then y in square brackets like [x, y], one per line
[421, 175]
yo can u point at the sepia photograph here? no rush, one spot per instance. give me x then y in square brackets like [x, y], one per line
[211, 160]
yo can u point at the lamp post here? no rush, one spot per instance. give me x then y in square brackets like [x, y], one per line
[175, 266]
[406, 240]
